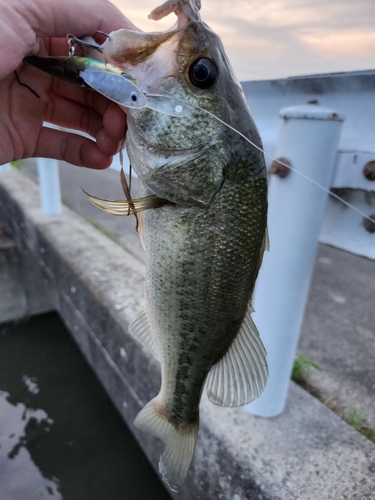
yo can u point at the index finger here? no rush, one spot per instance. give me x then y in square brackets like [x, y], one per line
[54, 18]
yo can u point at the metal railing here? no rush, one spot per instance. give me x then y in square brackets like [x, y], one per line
[308, 141]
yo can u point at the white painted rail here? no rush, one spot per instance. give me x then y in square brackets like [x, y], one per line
[308, 139]
[49, 182]
[116, 164]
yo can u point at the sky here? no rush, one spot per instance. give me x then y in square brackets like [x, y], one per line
[267, 39]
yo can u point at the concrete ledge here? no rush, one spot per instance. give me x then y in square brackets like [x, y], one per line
[13, 303]
[96, 286]
[31, 293]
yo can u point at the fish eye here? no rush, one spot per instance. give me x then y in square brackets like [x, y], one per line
[203, 73]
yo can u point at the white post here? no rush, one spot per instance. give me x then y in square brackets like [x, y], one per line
[5, 168]
[308, 140]
[49, 182]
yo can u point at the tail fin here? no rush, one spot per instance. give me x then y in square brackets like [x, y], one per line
[179, 443]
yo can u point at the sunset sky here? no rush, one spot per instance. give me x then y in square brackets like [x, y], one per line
[278, 38]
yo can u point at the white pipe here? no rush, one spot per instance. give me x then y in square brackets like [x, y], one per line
[5, 168]
[116, 164]
[49, 182]
[308, 139]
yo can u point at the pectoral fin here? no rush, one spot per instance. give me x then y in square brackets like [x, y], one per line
[241, 375]
[123, 207]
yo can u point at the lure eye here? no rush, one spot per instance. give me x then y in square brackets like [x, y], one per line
[203, 73]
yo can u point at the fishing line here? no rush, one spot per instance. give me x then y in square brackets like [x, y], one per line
[25, 85]
[334, 195]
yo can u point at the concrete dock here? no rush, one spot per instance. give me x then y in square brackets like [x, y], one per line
[96, 285]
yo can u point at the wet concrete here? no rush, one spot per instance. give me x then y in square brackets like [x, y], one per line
[60, 435]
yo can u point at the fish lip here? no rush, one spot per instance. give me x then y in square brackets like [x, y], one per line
[166, 155]
[170, 152]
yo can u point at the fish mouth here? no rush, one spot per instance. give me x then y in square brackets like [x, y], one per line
[169, 152]
[138, 142]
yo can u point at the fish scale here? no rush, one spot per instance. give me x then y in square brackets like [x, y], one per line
[202, 301]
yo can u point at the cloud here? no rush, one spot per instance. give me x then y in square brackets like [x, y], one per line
[357, 43]
[278, 38]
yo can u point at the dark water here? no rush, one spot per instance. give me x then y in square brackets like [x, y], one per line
[60, 436]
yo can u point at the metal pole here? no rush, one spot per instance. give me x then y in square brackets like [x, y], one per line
[308, 140]
[49, 182]
[116, 165]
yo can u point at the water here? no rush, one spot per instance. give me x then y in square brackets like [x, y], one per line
[60, 436]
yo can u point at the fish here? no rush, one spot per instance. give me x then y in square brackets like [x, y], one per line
[202, 221]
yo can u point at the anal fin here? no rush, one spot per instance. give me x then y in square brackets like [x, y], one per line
[241, 375]
[141, 329]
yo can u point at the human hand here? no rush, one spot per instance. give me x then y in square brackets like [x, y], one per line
[39, 27]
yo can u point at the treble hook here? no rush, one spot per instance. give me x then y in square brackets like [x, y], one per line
[73, 41]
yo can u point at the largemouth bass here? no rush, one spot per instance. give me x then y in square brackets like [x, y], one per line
[204, 247]
[202, 221]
